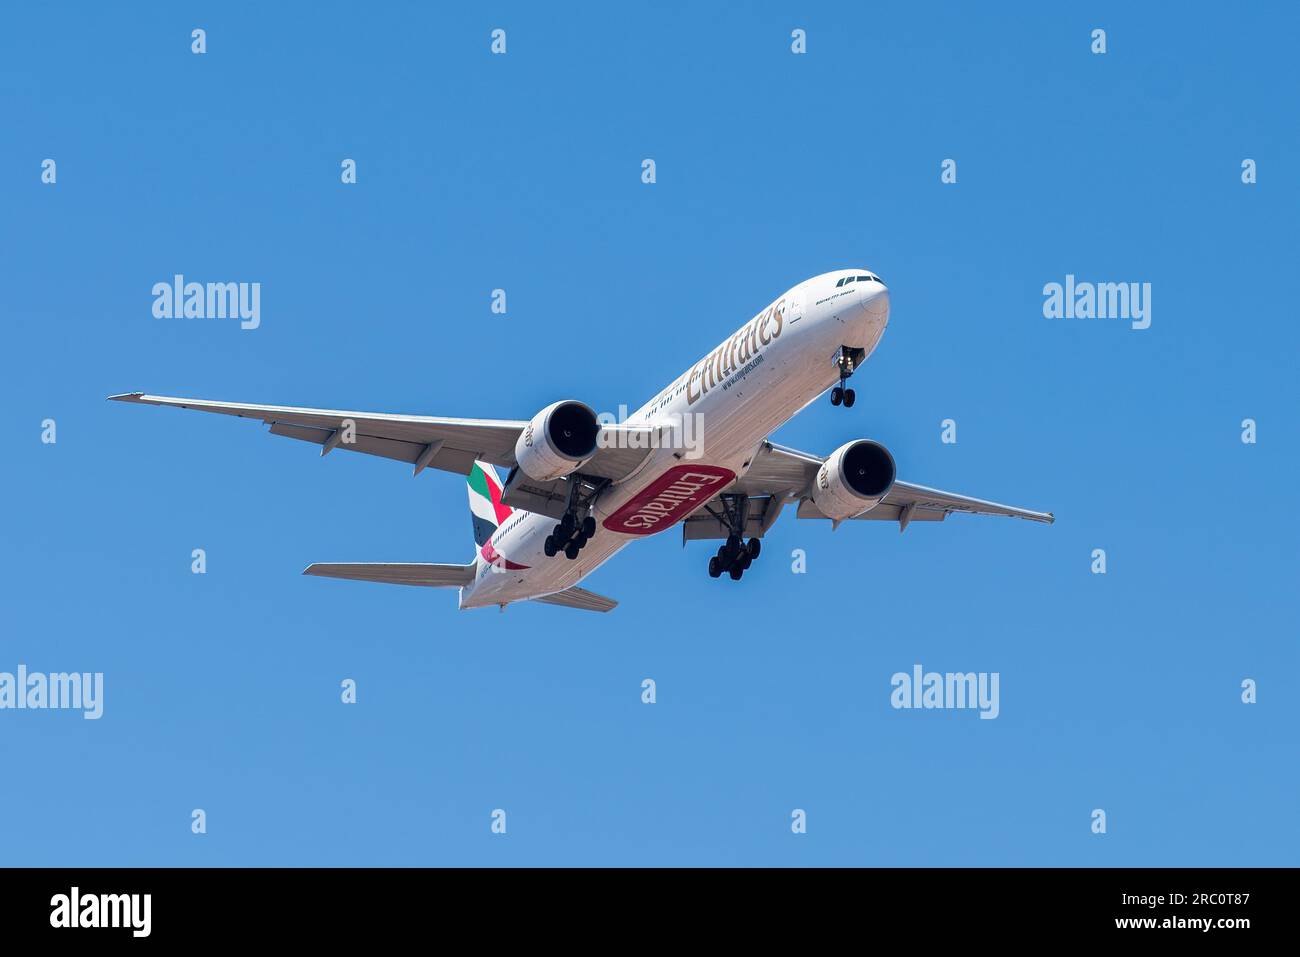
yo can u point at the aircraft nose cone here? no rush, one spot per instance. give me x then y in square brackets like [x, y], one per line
[874, 298]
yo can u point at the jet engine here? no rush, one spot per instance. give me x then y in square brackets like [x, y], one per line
[557, 441]
[853, 479]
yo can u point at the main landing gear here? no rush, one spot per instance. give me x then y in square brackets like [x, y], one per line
[847, 359]
[735, 555]
[571, 532]
[570, 536]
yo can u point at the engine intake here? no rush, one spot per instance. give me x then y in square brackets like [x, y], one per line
[557, 441]
[853, 479]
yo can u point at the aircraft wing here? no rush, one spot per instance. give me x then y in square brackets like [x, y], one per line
[781, 476]
[421, 440]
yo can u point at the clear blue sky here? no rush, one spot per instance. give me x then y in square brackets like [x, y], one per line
[522, 171]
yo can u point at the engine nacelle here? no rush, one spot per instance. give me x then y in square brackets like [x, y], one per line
[853, 479]
[557, 441]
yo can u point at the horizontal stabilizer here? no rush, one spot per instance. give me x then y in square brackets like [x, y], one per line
[430, 576]
[579, 598]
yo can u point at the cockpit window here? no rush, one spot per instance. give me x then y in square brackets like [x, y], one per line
[840, 283]
[866, 278]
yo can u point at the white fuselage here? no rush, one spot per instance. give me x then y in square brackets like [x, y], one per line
[736, 396]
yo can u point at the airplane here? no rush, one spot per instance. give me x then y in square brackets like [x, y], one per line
[698, 455]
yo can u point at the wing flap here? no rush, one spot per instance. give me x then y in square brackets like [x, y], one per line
[883, 512]
[920, 498]
[777, 470]
[370, 444]
[762, 513]
[907, 503]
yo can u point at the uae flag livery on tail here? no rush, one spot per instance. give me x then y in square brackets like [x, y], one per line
[485, 502]
[487, 512]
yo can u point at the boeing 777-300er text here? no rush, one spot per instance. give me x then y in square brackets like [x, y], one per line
[579, 488]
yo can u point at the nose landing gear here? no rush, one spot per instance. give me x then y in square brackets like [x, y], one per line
[846, 359]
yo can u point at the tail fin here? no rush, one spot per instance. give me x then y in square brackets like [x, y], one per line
[485, 502]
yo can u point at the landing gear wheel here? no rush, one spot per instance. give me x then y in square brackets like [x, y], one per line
[734, 555]
[549, 546]
[580, 540]
[847, 360]
[571, 551]
[567, 526]
[588, 526]
[755, 546]
[558, 534]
